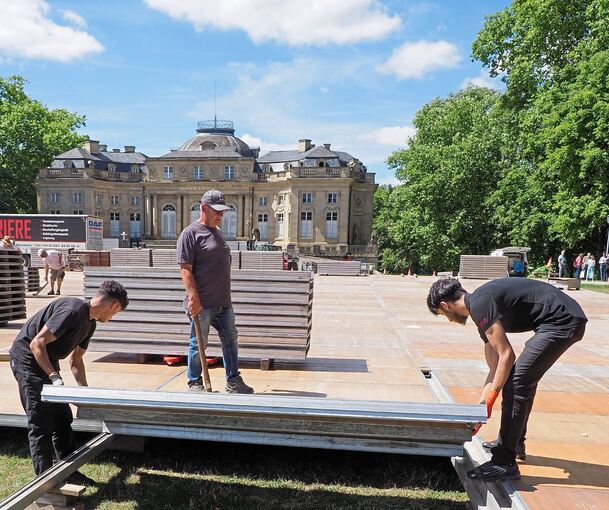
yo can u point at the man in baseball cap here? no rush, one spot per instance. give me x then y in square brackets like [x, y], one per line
[204, 259]
[215, 199]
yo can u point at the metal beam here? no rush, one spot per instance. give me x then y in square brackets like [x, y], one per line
[56, 474]
[399, 427]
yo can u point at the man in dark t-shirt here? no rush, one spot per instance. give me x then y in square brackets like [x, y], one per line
[512, 305]
[204, 259]
[61, 329]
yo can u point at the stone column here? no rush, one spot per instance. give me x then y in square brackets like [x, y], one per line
[154, 216]
[180, 214]
[147, 215]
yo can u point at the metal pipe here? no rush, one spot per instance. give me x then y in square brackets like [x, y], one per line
[57, 473]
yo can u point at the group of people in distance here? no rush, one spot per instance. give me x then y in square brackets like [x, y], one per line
[584, 266]
[509, 305]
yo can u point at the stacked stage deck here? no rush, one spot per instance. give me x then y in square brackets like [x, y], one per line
[369, 336]
[272, 313]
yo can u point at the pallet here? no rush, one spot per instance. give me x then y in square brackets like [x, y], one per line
[273, 314]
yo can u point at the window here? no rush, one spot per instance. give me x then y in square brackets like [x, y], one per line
[68, 164]
[55, 197]
[55, 211]
[111, 167]
[79, 211]
[195, 212]
[307, 198]
[168, 172]
[135, 169]
[280, 199]
[78, 197]
[135, 200]
[98, 198]
[98, 213]
[229, 173]
[197, 173]
[114, 199]
[332, 225]
[306, 224]
[263, 223]
[263, 201]
[332, 198]
[279, 233]
[168, 222]
[135, 225]
[115, 224]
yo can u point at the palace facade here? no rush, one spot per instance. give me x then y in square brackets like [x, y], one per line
[312, 199]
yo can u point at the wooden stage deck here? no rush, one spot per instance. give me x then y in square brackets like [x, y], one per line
[371, 338]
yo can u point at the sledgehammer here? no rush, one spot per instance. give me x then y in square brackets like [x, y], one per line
[201, 345]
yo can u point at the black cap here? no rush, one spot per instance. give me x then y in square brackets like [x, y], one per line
[215, 199]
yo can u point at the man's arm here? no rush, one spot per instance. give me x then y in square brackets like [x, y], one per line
[77, 365]
[491, 361]
[46, 271]
[188, 279]
[500, 344]
[39, 349]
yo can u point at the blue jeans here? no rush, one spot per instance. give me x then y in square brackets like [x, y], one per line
[223, 320]
[603, 268]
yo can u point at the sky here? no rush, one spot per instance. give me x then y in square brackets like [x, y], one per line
[352, 73]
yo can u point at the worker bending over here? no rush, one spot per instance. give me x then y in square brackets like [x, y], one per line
[512, 305]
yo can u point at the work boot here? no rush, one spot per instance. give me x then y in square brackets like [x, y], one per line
[521, 453]
[196, 385]
[236, 385]
[51, 293]
[77, 478]
[490, 471]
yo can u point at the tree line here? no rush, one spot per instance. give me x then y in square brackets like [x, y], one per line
[527, 166]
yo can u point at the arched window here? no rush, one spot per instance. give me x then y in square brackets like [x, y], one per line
[321, 164]
[168, 222]
[195, 212]
[208, 146]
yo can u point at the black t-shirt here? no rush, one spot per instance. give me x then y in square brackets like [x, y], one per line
[522, 305]
[68, 319]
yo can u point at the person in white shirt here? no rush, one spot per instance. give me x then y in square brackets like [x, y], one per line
[602, 265]
[53, 261]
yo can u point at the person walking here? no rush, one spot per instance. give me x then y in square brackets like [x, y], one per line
[577, 265]
[511, 305]
[61, 329]
[590, 268]
[54, 262]
[602, 266]
[204, 259]
[562, 265]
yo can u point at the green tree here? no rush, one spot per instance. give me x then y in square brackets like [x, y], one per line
[30, 136]
[553, 57]
[449, 171]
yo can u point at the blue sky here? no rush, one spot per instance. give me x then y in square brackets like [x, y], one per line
[347, 72]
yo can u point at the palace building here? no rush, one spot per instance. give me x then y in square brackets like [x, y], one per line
[312, 199]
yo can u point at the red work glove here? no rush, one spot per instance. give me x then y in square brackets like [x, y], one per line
[490, 402]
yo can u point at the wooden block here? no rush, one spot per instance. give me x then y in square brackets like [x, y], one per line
[131, 444]
[4, 356]
[56, 500]
[69, 489]
[266, 364]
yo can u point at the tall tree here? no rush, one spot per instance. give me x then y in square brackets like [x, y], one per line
[30, 136]
[553, 57]
[449, 171]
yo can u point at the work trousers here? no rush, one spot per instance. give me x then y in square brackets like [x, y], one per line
[540, 352]
[222, 318]
[49, 425]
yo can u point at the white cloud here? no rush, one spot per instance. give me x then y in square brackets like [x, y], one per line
[265, 147]
[417, 59]
[293, 22]
[27, 31]
[75, 19]
[482, 80]
[395, 136]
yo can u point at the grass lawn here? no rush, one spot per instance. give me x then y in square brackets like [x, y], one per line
[595, 288]
[196, 475]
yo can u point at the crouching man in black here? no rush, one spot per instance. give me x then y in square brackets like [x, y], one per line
[512, 305]
[61, 329]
